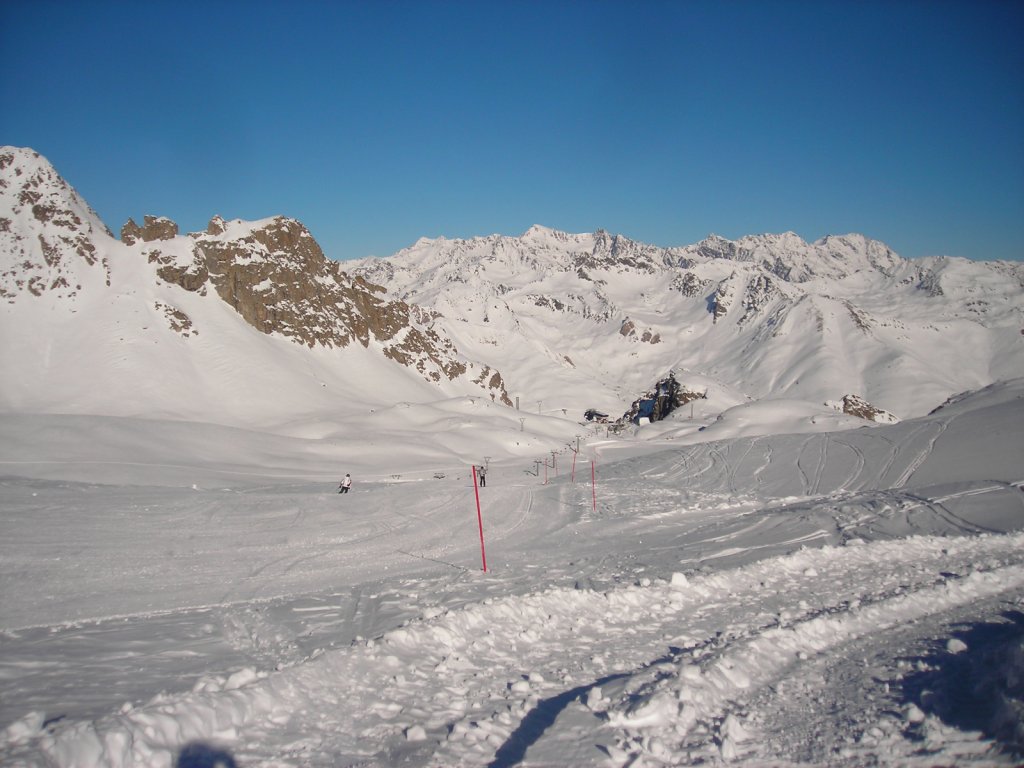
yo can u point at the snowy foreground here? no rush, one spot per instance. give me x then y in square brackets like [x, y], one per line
[829, 598]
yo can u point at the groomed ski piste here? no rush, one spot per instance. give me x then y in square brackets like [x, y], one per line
[816, 597]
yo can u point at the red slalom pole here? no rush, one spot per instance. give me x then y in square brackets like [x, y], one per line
[593, 484]
[480, 520]
[574, 466]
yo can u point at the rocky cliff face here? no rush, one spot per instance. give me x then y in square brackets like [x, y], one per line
[274, 274]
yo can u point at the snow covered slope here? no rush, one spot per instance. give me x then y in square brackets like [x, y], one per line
[832, 598]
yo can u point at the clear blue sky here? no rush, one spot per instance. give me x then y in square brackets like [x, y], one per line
[376, 123]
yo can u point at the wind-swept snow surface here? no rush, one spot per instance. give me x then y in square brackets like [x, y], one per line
[839, 598]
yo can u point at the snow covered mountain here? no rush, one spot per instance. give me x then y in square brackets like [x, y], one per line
[599, 316]
[247, 322]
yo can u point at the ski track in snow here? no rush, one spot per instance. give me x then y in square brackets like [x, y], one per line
[936, 428]
[858, 465]
[710, 592]
[653, 664]
[878, 694]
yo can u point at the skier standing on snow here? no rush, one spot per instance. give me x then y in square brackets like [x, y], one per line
[482, 474]
[345, 484]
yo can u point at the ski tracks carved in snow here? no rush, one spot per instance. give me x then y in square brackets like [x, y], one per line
[494, 662]
[679, 659]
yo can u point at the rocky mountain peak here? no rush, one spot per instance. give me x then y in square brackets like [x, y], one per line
[153, 228]
[790, 257]
[48, 233]
[862, 252]
[216, 226]
[28, 182]
[539, 232]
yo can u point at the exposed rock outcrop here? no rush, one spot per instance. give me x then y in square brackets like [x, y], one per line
[629, 330]
[153, 228]
[855, 405]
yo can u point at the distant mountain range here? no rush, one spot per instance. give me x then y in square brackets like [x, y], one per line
[249, 323]
[768, 316]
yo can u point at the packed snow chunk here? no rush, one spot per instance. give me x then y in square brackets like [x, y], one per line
[728, 749]
[658, 749]
[913, 714]
[660, 710]
[734, 674]
[733, 728]
[209, 684]
[23, 729]
[690, 673]
[954, 645]
[615, 755]
[240, 678]
[415, 733]
[688, 713]
[679, 581]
